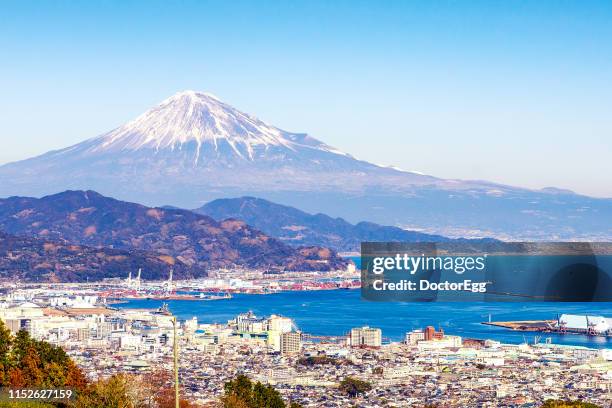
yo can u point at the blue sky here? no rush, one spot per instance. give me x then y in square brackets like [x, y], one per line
[514, 92]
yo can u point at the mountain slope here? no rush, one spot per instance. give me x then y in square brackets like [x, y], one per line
[196, 122]
[297, 227]
[37, 260]
[193, 148]
[88, 218]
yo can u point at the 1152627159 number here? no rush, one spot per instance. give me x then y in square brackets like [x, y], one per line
[39, 394]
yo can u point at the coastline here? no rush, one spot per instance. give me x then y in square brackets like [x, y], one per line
[334, 313]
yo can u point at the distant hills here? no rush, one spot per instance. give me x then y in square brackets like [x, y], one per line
[37, 260]
[297, 227]
[177, 237]
[193, 148]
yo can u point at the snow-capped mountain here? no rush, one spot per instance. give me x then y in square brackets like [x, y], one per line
[197, 122]
[193, 148]
[190, 145]
[191, 132]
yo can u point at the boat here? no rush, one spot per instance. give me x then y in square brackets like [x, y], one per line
[163, 310]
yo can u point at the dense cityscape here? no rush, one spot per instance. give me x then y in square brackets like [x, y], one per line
[428, 367]
[306, 204]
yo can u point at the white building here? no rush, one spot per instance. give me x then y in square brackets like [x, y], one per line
[598, 324]
[414, 337]
[280, 324]
[365, 336]
[445, 342]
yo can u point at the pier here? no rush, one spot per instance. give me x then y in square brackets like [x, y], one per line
[559, 326]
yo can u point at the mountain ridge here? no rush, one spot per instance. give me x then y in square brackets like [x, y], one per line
[297, 227]
[193, 148]
[38, 260]
[91, 219]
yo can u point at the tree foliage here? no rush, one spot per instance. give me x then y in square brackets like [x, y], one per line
[353, 386]
[241, 392]
[110, 393]
[153, 390]
[25, 362]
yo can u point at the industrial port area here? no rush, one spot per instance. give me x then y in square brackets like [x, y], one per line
[221, 284]
[564, 324]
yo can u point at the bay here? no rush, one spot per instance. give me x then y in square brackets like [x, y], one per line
[335, 312]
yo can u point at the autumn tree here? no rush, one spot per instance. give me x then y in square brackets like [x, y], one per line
[112, 392]
[6, 341]
[26, 362]
[31, 367]
[155, 390]
[165, 398]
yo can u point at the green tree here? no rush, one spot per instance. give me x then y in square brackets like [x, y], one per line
[241, 392]
[241, 388]
[6, 339]
[353, 386]
[55, 376]
[266, 396]
[20, 345]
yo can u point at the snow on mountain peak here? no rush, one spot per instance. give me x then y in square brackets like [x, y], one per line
[192, 95]
[198, 120]
[193, 117]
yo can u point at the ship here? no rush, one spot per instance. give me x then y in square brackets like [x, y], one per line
[163, 310]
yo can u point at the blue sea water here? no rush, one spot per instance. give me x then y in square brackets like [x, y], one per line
[336, 312]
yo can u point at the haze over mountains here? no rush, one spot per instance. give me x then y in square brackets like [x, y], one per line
[193, 148]
[296, 227]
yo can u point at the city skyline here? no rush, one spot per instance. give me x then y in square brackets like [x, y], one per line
[516, 94]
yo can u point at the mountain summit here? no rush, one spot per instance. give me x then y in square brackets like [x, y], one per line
[193, 148]
[198, 122]
[190, 148]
